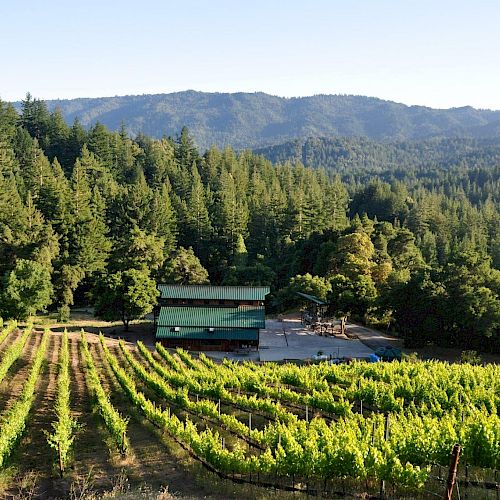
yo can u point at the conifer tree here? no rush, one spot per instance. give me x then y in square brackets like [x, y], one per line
[197, 227]
[163, 220]
[232, 214]
[35, 118]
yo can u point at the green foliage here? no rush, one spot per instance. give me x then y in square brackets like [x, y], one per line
[432, 405]
[424, 312]
[27, 289]
[471, 357]
[384, 220]
[185, 269]
[255, 275]
[313, 285]
[13, 352]
[63, 314]
[352, 297]
[307, 283]
[65, 426]
[12, 325]
[115, 423]
[125, 295]
[354, 254]
[252, 119]
[14, 419]
[138, 250]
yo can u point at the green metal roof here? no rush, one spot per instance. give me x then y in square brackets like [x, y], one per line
[208, 292]
[312, 298]
[165, 332]
[222, 317]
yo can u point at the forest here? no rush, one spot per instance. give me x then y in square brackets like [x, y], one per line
[252, 120]
[95, 217]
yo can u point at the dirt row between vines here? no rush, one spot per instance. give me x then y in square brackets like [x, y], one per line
[33, 452]
[156, 458]
[154, 462]
[199, 483]
[12, 385]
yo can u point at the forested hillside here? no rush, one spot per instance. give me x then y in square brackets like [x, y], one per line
[98, 217]
[244, 120]
[359, 156]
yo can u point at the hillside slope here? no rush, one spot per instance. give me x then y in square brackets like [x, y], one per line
[349, 154]
[248, 120]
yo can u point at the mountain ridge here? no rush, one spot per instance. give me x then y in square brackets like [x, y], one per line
[253, 120]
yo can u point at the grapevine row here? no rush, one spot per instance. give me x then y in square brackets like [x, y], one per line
[65, 426]
[115, 423]
[332, 456]
[14, 420]
[180, 398]
[214, 390]
[418, 438]
[426, 388]
[221, 379]
[8, 329]
[13, 352]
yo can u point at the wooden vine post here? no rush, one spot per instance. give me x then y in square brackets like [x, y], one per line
[386, 438]
[452, 475]
[61, 465]
[123, 443]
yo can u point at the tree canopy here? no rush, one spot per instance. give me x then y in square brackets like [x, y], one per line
[404, 234]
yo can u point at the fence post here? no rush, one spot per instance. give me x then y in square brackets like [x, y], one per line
[61, 466]
[386, 437]
[452, 475]
[123, 443]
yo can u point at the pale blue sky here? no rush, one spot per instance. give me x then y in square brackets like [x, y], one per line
[439, 53]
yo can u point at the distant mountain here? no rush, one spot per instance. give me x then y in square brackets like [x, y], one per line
[246, 120]
[490, 130]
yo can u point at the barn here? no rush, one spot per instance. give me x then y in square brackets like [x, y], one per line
[205, 317]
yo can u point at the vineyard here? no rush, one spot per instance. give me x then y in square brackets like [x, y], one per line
[75, 403]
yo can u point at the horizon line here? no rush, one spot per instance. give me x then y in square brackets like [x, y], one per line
[320, 94]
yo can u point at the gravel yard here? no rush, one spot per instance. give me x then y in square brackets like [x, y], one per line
[288, 339]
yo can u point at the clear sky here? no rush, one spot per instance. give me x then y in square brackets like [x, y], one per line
[439, 53]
